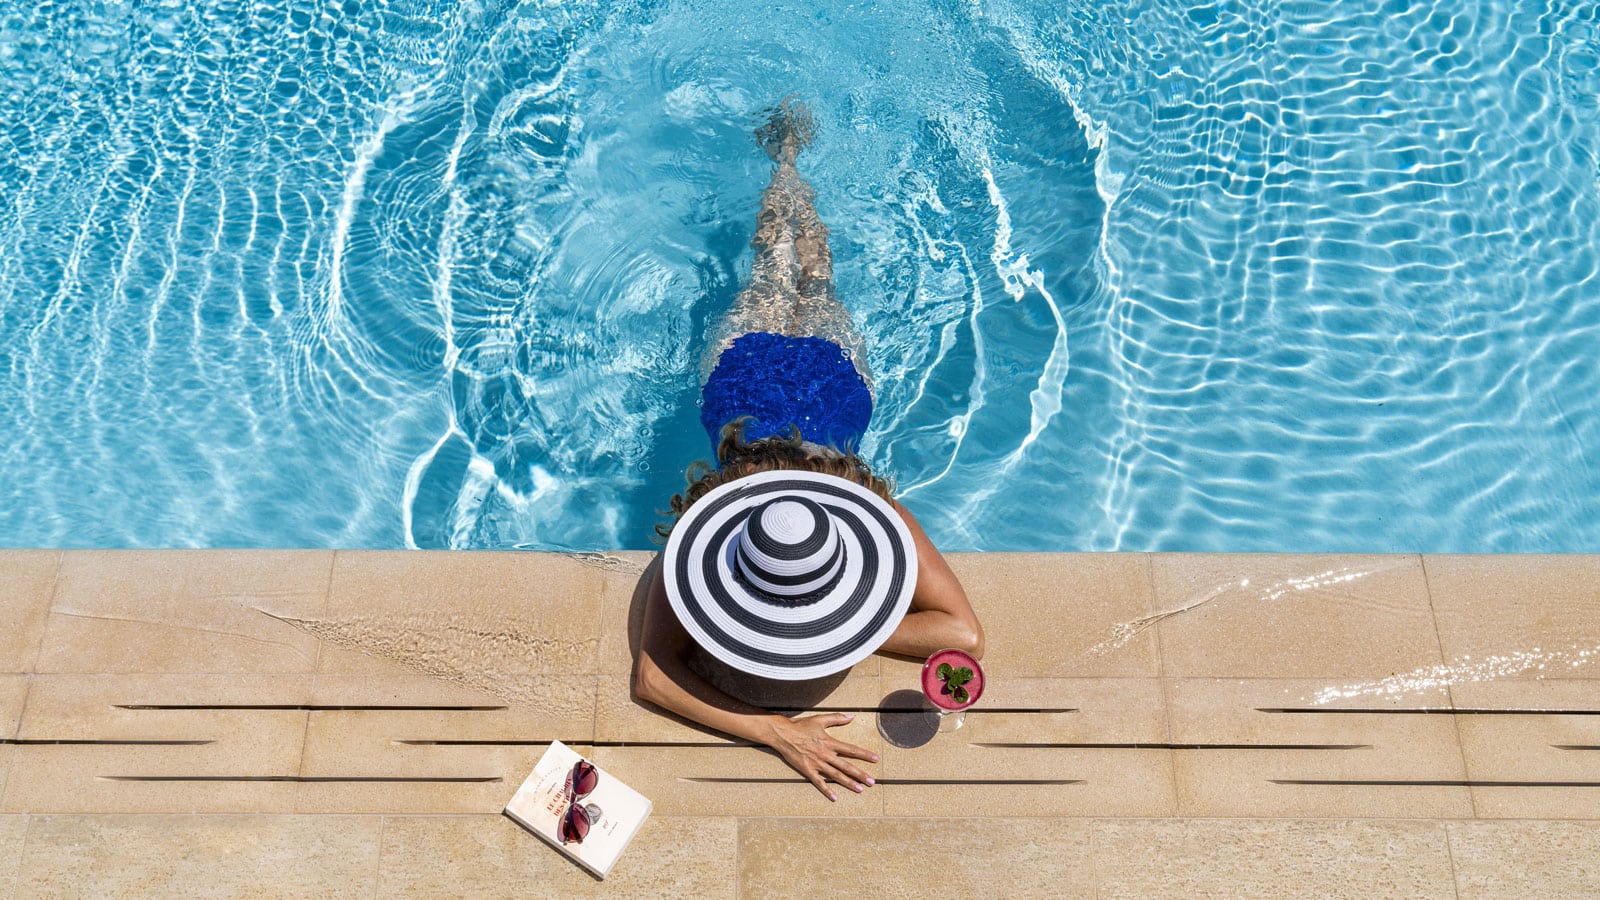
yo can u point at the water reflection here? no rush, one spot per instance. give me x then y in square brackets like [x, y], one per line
[1466, 670]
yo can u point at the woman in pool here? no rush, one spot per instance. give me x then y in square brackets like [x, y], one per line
[790, 560]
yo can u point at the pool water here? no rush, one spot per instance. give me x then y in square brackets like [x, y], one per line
[1137, 276]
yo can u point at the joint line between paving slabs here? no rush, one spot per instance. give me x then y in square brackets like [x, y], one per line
[38, 646]
[1450, 854]
[316, 669]
[600, 613]
[327, 600]
[22, 851]
[1455, 724]
[1094, 855]
[597, 684]
[11, 764]
[305, 728]
[33, 664]
[1449, 688]
[383, 840]
[22, 716]
[1166, 688]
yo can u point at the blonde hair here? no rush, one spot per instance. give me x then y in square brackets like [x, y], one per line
[737, 458]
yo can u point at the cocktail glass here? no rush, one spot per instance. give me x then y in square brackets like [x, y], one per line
[952, 711]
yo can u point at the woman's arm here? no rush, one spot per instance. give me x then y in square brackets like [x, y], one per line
[940, 616]
[662, 677]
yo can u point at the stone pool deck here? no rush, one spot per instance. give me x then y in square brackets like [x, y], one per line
[351, 723]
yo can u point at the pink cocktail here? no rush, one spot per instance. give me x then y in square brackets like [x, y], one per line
[952, 681]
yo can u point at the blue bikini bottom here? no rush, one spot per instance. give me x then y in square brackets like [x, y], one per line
[780, 381]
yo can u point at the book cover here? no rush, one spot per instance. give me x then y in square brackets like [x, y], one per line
[579, 809]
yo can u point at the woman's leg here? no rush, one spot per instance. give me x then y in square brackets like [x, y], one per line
[791, 280]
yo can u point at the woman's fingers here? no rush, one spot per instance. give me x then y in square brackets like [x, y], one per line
[845, 748]
[858, 778]
[854, 752]
[838, 776]
[816, 779]
[821, 759]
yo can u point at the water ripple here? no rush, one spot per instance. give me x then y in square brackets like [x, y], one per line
[1239, 276]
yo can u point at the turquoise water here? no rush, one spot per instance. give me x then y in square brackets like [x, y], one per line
[1239, 276]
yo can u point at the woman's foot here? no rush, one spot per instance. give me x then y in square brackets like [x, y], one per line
[788, 129]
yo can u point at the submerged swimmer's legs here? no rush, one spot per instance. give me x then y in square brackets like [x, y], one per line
[791, 281]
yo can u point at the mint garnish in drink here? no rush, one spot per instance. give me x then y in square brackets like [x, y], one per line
[953, 679]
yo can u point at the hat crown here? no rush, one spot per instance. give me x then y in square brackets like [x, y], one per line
[790, 551]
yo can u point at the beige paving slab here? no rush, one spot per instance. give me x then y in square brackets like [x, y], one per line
[1292, 616]
[909, 858]
[13, 831]
[1554, 694]
[365, 714]
[242, 709]
[1533, 766]
[1253, 761]
[626, 580]
[1503, 616]
[1272, 858]
[210, 855]
[134, 759]
[453, 613]
[8, 755]
[1109, 745]
[619, 717]
[1133, 782]
[13, 692]
[1526, 858]
[201, 611]
[490, 856]
[736, 780]
[1059, 615]
[453, 758]
[27, 582]
[1350, 630]
[486, 785]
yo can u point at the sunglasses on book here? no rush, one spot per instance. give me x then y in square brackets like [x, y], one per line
[575, 822]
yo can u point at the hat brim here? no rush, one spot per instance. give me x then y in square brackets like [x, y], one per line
[790, 643]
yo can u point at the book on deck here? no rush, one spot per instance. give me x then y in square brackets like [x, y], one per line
[607, 816]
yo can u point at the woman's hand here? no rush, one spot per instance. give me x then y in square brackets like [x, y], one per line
[805, 744]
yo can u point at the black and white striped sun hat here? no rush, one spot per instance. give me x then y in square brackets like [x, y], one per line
[790, 575]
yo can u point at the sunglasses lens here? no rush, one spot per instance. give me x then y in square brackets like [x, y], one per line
[574, 825]
[584, 778]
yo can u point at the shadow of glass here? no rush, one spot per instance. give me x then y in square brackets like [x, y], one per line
[906, 720]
